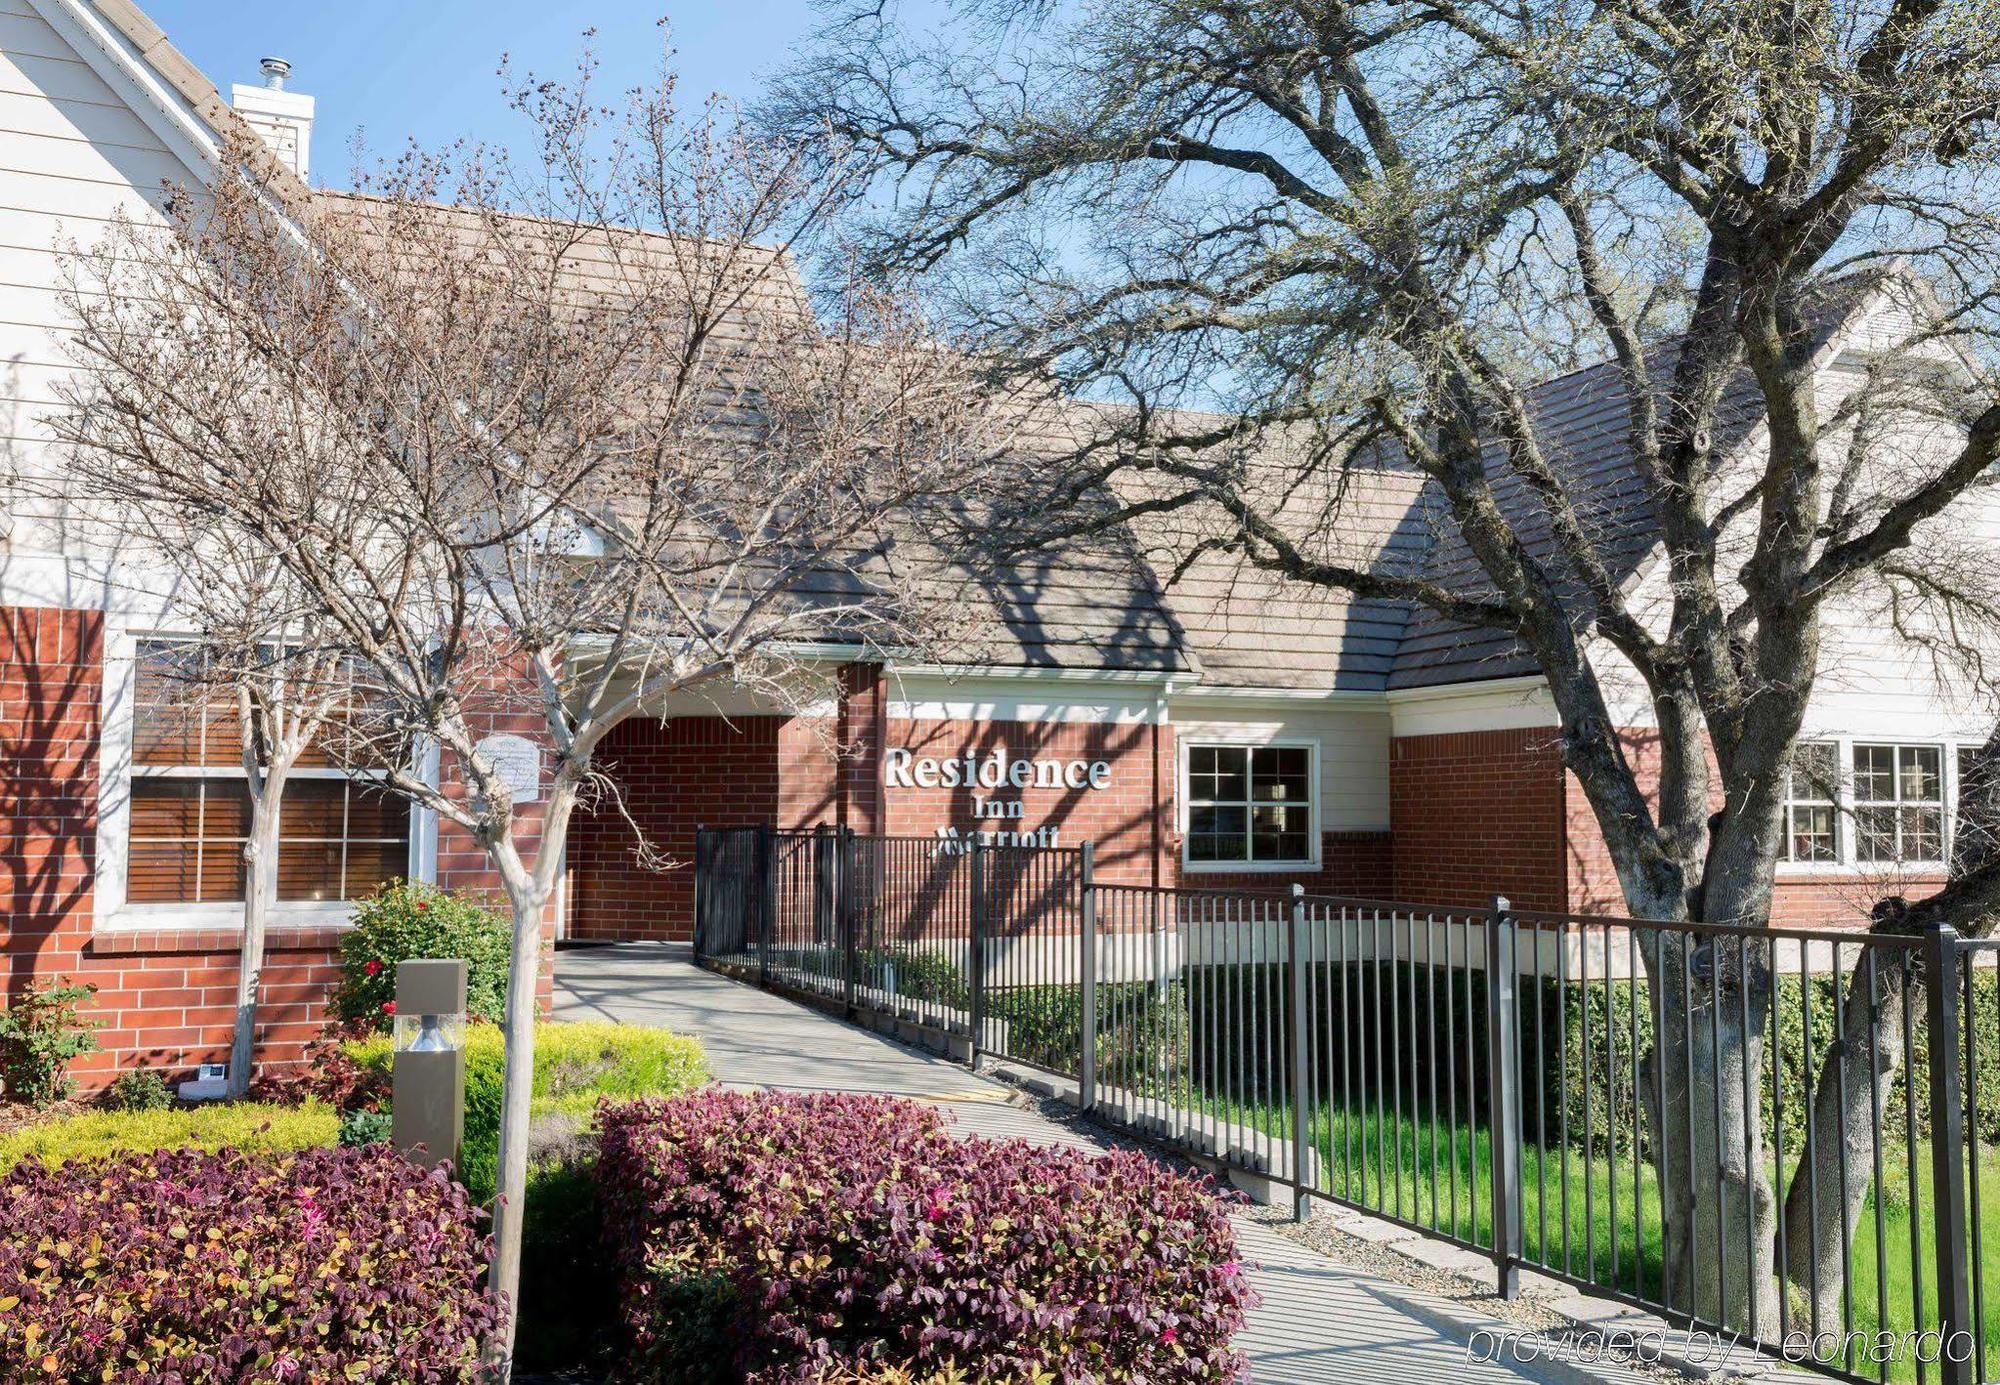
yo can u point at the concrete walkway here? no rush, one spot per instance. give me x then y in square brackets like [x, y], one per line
[1320, 1322]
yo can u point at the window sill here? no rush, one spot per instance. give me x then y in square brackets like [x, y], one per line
[1249, 867]
[1856, 870]
[167, 928]
[159, 917]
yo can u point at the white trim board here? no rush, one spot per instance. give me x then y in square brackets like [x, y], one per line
[121, 67]
[1501, 704]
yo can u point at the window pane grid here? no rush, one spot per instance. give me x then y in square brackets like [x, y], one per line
[1898, 804]
[1249, 804]
[338, 837]
[1810, 795]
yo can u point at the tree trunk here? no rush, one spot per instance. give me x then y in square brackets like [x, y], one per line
[511, 1182]
[1701, 1083]
[260, 894]
[1851, 1090]
[1836, 1168]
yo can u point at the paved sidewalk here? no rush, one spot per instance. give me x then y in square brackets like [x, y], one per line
[1320, 1322]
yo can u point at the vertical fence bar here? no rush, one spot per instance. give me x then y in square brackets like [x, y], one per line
[975, 885]
[1955, 1325]
[844, 911]
[1296, 956]
[703, 867]
[1502, 1033]
[767, 899]
[1086, 1058]
[824, 932]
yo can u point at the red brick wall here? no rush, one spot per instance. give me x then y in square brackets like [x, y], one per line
[1592, 882]
[1840, 901]
[166, 998]
[51, 687]
[1356, 864]
[508, 707]
[1125, 818]
[800, 773]
[1478, 813]
[678, 775]
[859, 730]
[170, 996]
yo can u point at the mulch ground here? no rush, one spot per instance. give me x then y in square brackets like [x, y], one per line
[18, 1115]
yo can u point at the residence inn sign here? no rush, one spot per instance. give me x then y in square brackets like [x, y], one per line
[996, 774]
[904, 770]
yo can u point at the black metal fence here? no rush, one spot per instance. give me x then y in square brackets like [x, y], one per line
[1785, 1135]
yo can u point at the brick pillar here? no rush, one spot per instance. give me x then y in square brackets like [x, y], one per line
[51, 690]
[861, 725]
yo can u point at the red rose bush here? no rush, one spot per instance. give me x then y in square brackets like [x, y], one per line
[777, 1237]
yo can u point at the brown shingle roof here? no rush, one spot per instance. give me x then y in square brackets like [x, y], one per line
[199, 92]
[1088, 603]
[1105, 600]
[1582, 423]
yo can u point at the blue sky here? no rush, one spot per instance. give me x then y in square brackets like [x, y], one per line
[397, 68]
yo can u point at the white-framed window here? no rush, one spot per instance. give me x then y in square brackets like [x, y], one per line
[1899, 804]
[340, 835]
[1250, 806]
[1892, 800]
[1812, 803]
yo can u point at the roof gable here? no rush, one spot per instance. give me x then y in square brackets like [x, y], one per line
[141, 71]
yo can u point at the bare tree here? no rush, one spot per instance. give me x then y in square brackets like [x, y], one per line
[1349, 238]
[285, 682]
[543, 442]
[247, 653]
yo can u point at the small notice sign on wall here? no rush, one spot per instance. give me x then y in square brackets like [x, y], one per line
[518, 762]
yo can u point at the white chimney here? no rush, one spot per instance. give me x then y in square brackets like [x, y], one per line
[284, 118]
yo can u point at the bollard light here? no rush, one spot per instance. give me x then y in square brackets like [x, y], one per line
[428, 1077]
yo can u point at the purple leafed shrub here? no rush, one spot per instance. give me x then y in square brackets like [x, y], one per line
[779, 1235]
[330, 1264]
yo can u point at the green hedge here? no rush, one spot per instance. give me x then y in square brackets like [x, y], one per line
[245, 1125]
[1385, 1034]
[1393, 1035]
[1143, 1031]
[576, 1064]
[407, 919]
[923, 975]
[1806, 1028]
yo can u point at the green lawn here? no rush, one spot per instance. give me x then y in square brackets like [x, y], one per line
[1578, 1218]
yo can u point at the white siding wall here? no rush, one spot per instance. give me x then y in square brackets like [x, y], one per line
[73, 155]
[1872, 681]
[1504, 704]
[1353, 741]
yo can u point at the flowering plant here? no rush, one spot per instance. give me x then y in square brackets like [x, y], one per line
[405, 919]
[856, 1230]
